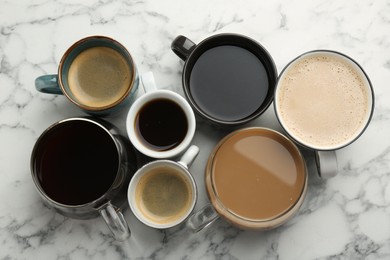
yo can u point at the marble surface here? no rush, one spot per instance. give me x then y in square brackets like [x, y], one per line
[347, 217]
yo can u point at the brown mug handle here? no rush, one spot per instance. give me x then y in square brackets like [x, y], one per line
[182, 47]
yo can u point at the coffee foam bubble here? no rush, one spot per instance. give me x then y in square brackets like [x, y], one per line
[323, 101]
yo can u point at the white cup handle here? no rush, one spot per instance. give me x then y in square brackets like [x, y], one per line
[326, 164]
[189, 156]
[148, 82]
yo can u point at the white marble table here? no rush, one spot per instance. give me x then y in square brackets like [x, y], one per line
[347, 217]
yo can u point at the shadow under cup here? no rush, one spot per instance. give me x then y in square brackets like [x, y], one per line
[229, 79]
[256, 178]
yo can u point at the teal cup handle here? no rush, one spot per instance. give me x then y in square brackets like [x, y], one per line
[58, 84]
[48, 84]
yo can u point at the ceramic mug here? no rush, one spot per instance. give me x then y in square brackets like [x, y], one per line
[324, 101]
[163, 193]
[255, 178]
[96, 73]
[160, 123]
[228, 79]
[81, 168]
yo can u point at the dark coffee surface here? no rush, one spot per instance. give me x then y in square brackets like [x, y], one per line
[161, 124]
[228, 83]
[78, 163]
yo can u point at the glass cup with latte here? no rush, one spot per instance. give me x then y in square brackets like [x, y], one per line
[255, 178]
[96, 73]
[324, 101]
[163, 193]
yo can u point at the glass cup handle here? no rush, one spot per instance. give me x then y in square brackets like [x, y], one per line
[326, 164]
[203, 218]
[182, 47]
[115, 221]
[48, 84]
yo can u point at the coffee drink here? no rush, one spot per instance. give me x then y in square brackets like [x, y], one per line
[323, 100]
[257, 175]
[164, 195]
[161, 124]
[99, 77]
[228, 83]
[77, 162]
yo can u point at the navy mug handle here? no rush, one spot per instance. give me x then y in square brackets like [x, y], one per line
[48, 84]
[182, 47]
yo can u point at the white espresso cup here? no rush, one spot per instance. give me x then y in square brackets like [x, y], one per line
[160, 123]
[162, 194]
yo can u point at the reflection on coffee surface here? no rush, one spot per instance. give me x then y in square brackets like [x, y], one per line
[161, 124]
[163, 195]
[323, 100]
[257, 174]
[77, 163]
[228, 83]
[99, 77]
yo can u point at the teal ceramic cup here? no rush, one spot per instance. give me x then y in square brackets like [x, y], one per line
[96, 73]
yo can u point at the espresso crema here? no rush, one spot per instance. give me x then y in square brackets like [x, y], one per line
[164, 195]
[99, 77]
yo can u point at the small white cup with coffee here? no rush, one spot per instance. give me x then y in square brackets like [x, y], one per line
[160, 123]
[324, 101]
[163, 193]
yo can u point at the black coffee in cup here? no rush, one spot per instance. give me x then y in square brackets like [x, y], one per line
[77, 162]
[81, 168]
[223, 77]
[161, 124]
[228, 79]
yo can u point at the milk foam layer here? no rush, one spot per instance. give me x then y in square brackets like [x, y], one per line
[323, 100]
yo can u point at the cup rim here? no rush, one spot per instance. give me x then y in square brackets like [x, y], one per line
[242, 222]
[144, 170]
[127, 56]
[33, 163]
[370, 92]
[270, 68]
[152, 95]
